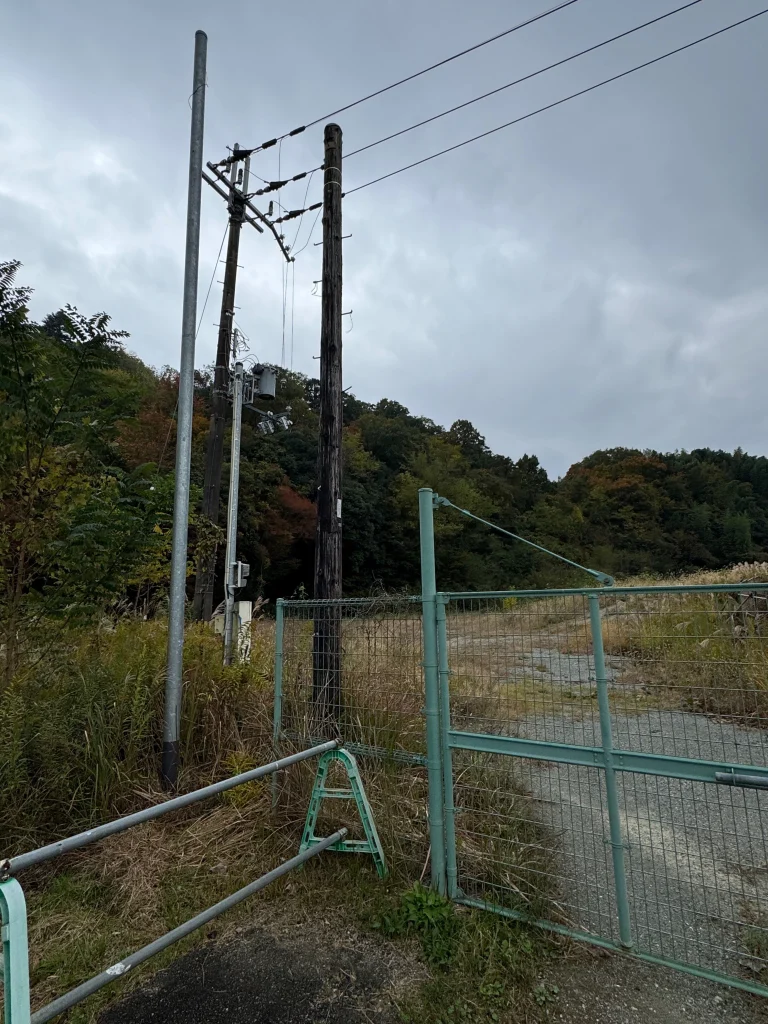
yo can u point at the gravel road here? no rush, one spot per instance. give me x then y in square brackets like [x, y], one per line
[697, 857]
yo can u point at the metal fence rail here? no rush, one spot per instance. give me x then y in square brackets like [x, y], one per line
[15, 962]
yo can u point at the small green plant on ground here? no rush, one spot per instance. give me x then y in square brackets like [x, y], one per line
[428, 916]
[546, 994]
[482, 966]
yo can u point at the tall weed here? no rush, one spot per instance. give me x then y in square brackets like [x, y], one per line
[80, 737]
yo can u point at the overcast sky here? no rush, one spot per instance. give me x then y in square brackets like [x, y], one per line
[593, 277]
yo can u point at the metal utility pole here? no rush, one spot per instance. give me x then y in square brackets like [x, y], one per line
[171, 724]
[214, 452]
[259, 384]
[234, 488]
[326, 681]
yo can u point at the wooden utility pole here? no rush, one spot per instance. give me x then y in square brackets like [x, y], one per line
[326, 682]
[214, 452]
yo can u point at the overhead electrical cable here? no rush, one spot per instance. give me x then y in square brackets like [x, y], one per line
[557, 103]
[417, 74]
[210, 283]
[275, 185]
[524, 78]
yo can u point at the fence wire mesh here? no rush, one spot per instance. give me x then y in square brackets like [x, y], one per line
[378, 710]
[686, 673]
[514, 824]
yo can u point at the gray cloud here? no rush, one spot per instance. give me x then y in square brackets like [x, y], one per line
[594, 276]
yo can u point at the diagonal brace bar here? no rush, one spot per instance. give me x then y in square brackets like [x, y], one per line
[602, 577]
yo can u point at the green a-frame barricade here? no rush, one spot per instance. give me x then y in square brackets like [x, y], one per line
[320, 791]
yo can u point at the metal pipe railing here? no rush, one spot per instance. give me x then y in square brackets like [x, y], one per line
[13, 865]
[81, 992]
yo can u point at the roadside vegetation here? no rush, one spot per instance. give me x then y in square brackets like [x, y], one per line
[87, 436]
[79, 744]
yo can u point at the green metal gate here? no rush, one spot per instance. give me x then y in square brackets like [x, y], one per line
[592, 760]
[604, 758]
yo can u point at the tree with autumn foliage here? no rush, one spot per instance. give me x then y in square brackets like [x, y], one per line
[86, 490]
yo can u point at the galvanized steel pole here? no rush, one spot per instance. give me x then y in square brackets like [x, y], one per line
[431, 688]
[277, 709]
[171, 726]
[234, 490]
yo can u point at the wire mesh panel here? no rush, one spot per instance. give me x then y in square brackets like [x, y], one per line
[523, 667]
[666, 706]
[697, 873]
[691, 672]
[521, 663]
[692, 683]
[377, 708]
[532, 837]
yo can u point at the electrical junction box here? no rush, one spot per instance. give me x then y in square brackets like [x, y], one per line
[241, 627]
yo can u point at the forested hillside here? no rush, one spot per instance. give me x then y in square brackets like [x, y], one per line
[86, 484]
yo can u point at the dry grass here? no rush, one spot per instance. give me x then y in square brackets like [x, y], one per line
[687, 647]
[84, 748]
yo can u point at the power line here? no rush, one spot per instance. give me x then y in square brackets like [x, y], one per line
[301, 218]
[557, 103]
[273, 186]
[284, 283]
[199, 325]
[525, 78]
[284, 276]
[293, 304]
[311, 232]
[417, 74]
[263, 191]
[210, 283]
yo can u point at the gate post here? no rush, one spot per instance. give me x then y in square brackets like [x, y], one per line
[612, 795]
[431, 688]
[15, 954]
[444, 675]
